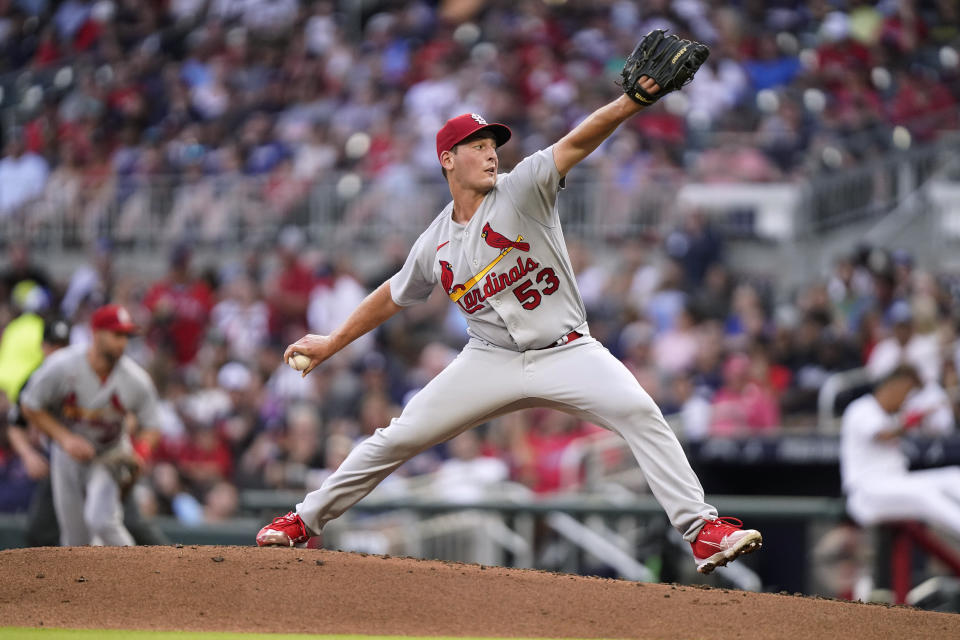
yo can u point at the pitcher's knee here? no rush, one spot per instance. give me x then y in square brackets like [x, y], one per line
[640, 415]
[397, 442]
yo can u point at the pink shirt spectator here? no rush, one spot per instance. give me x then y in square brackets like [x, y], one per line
[742, 407]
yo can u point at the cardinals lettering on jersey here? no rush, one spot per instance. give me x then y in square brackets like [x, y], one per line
[487, 282]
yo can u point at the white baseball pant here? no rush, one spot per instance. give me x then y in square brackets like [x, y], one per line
[86, 499]
[581, 378]
[931, 496]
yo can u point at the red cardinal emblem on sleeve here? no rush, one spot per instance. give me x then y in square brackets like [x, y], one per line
[500, 241]
[446, 275]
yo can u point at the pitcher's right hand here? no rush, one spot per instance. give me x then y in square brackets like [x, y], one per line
[317, 348]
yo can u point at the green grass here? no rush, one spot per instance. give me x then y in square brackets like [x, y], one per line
[18, 633]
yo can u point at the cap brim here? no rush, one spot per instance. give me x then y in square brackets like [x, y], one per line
[501, 133]
[129, 329]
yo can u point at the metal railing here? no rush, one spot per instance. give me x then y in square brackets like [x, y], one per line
[827, 419]
[336, 211]
[872, 190]
[227, 210]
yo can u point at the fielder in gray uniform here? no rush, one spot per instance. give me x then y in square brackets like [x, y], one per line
[80, 397]
[498, 252]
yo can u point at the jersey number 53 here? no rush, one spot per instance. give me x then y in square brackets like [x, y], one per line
[531, 297]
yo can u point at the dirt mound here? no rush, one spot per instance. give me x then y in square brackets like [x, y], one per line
[316, 591]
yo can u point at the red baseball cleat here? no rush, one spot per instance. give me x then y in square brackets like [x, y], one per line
[284, 531]
[722, 540]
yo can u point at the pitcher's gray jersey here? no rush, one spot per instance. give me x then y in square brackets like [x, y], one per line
[508, 268]
[66, 386]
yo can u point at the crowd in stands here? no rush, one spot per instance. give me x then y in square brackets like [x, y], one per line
[724, 354]
[227, 96]
[201, 108]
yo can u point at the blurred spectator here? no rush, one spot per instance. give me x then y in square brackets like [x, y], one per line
[692, 407]
[246, 414]
[91, 281]
[220, 503]
[336, 448]
[905, 346]
[300, 450]
[634, 345]
[201, 453]
[16, 486]
[743, 406]
[332, 300]
[676, 348]
[23, 268]
[696, 246]
[539, 441]
[467, 474]
[735, 161]
[770, 68]
[669, 300]
[180, 307]
[21, 342]
[23, 176]
[170, 496]
[243, 318]
[288, 292]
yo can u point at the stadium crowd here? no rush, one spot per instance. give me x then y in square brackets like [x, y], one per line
[228, 96]
[725, 354]
[217, 103]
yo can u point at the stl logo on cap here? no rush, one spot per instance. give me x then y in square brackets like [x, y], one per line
[112, 317]
[458, 129]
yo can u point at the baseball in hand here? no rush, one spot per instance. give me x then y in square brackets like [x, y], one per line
[299, 361]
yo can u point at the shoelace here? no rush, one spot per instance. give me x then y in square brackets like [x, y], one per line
[290, 518]
[730, 521]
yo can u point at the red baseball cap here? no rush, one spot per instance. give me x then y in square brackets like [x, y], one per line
[465, 125]
[112, 317]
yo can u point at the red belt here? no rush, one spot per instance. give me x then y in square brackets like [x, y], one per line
[567, 339]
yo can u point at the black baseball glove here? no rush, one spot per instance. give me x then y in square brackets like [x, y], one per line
[670, 61]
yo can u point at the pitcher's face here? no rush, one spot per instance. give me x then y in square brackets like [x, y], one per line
[473, 163]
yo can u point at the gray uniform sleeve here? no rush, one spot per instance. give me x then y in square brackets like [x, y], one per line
[44, 390]
[533, 186]
[148, 411]
[415, 280]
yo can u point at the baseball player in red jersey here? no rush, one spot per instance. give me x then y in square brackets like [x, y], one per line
[498, 251]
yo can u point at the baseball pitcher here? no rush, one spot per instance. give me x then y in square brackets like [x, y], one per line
[498, 252]
[80, 397]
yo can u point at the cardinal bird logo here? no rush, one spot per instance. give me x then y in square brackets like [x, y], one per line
[500, 241]
[446, 275]
[115, 401]
[446, 278]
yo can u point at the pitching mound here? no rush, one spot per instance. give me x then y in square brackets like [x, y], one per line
[317, 591]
